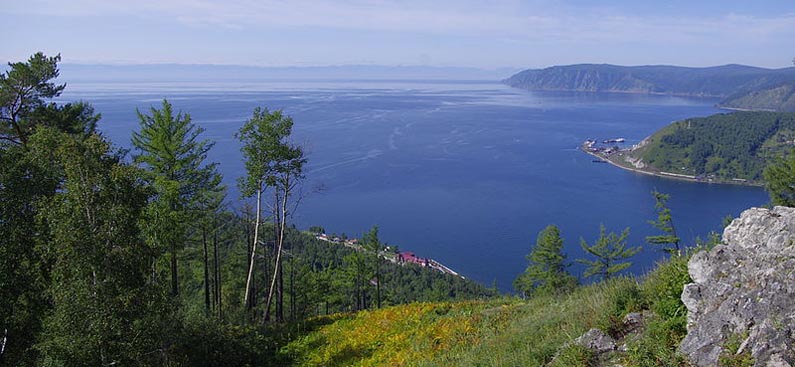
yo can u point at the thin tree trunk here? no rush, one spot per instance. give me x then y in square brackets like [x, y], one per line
[377, 279]
[254, 246]
[282, 220]
[292, 288]
[217, 275]
[247, 227]
[280, 295]
[206, 272]
[174, 280]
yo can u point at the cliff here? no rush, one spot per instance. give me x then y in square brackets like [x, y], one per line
[741, 301]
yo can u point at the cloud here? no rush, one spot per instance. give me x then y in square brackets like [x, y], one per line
[537, 20]
[449, 31]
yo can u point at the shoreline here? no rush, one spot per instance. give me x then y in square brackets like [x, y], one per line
[674, 176]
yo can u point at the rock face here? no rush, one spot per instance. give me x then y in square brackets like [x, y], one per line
[745, 289]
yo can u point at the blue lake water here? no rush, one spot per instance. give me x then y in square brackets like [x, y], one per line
[464, 172]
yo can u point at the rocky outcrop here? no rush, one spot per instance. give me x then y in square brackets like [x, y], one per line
[597, 341]
[744, 290]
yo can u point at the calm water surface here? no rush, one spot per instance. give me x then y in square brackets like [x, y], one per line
[463, 172]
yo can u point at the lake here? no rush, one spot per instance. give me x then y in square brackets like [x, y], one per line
[463, 172]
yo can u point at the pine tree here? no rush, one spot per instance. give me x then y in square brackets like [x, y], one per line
[174, 158]
[546, 272]
[23, 89]
[609, 249]
[665, 224]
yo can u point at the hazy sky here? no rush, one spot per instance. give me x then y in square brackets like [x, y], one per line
[487, 34]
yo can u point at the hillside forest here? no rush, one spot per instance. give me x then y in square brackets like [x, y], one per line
[111, 257]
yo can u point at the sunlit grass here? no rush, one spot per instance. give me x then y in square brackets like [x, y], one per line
[506, 332]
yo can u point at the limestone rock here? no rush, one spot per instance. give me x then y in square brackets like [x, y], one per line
[745, 287]
[597, 341]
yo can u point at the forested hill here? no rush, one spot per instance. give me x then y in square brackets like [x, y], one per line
[724, 147]
[741, 86]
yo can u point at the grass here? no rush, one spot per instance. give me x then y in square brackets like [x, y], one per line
[505, 332]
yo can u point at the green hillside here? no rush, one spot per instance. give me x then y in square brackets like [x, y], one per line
[776, 98]
[507, 332]
[723, 147]
[740, 86]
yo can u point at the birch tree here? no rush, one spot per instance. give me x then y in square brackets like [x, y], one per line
[271, 160]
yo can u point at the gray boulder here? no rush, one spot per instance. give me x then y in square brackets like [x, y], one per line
[745, 288]
[597, 341]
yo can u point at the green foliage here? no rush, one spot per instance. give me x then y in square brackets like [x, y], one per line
[24, 182]
[721, 147]
[106, 310]
[742, 87]
[779, 178]
[266, 152]
[662, 290]
[28, 180]
[23, 89]
[537, 330]
[622, 300]
[270, 160]
[609, 250]
[546, 273]
[729, 356]
[654, 348]
[773, 97]
[77, 118]
[373, 245]
[665, 224]
[173, 157]
[574, 356]
[209, 342]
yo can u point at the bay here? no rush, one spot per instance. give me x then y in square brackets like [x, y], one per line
[463, 172]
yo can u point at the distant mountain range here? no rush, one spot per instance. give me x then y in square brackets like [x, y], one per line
[740, 86]
[204, 72]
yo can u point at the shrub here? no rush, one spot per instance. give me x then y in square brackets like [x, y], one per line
[661, 291]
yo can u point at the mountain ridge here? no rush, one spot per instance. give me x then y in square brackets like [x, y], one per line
[739, 86]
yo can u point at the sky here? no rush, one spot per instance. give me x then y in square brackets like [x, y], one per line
[486, 34]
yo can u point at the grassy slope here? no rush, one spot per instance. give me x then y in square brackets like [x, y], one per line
[507, 332]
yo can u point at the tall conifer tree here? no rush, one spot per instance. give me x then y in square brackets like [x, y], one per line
[170, 150]
[610, 251]
[546, 272]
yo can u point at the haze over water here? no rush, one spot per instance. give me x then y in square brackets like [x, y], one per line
[464, 172]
